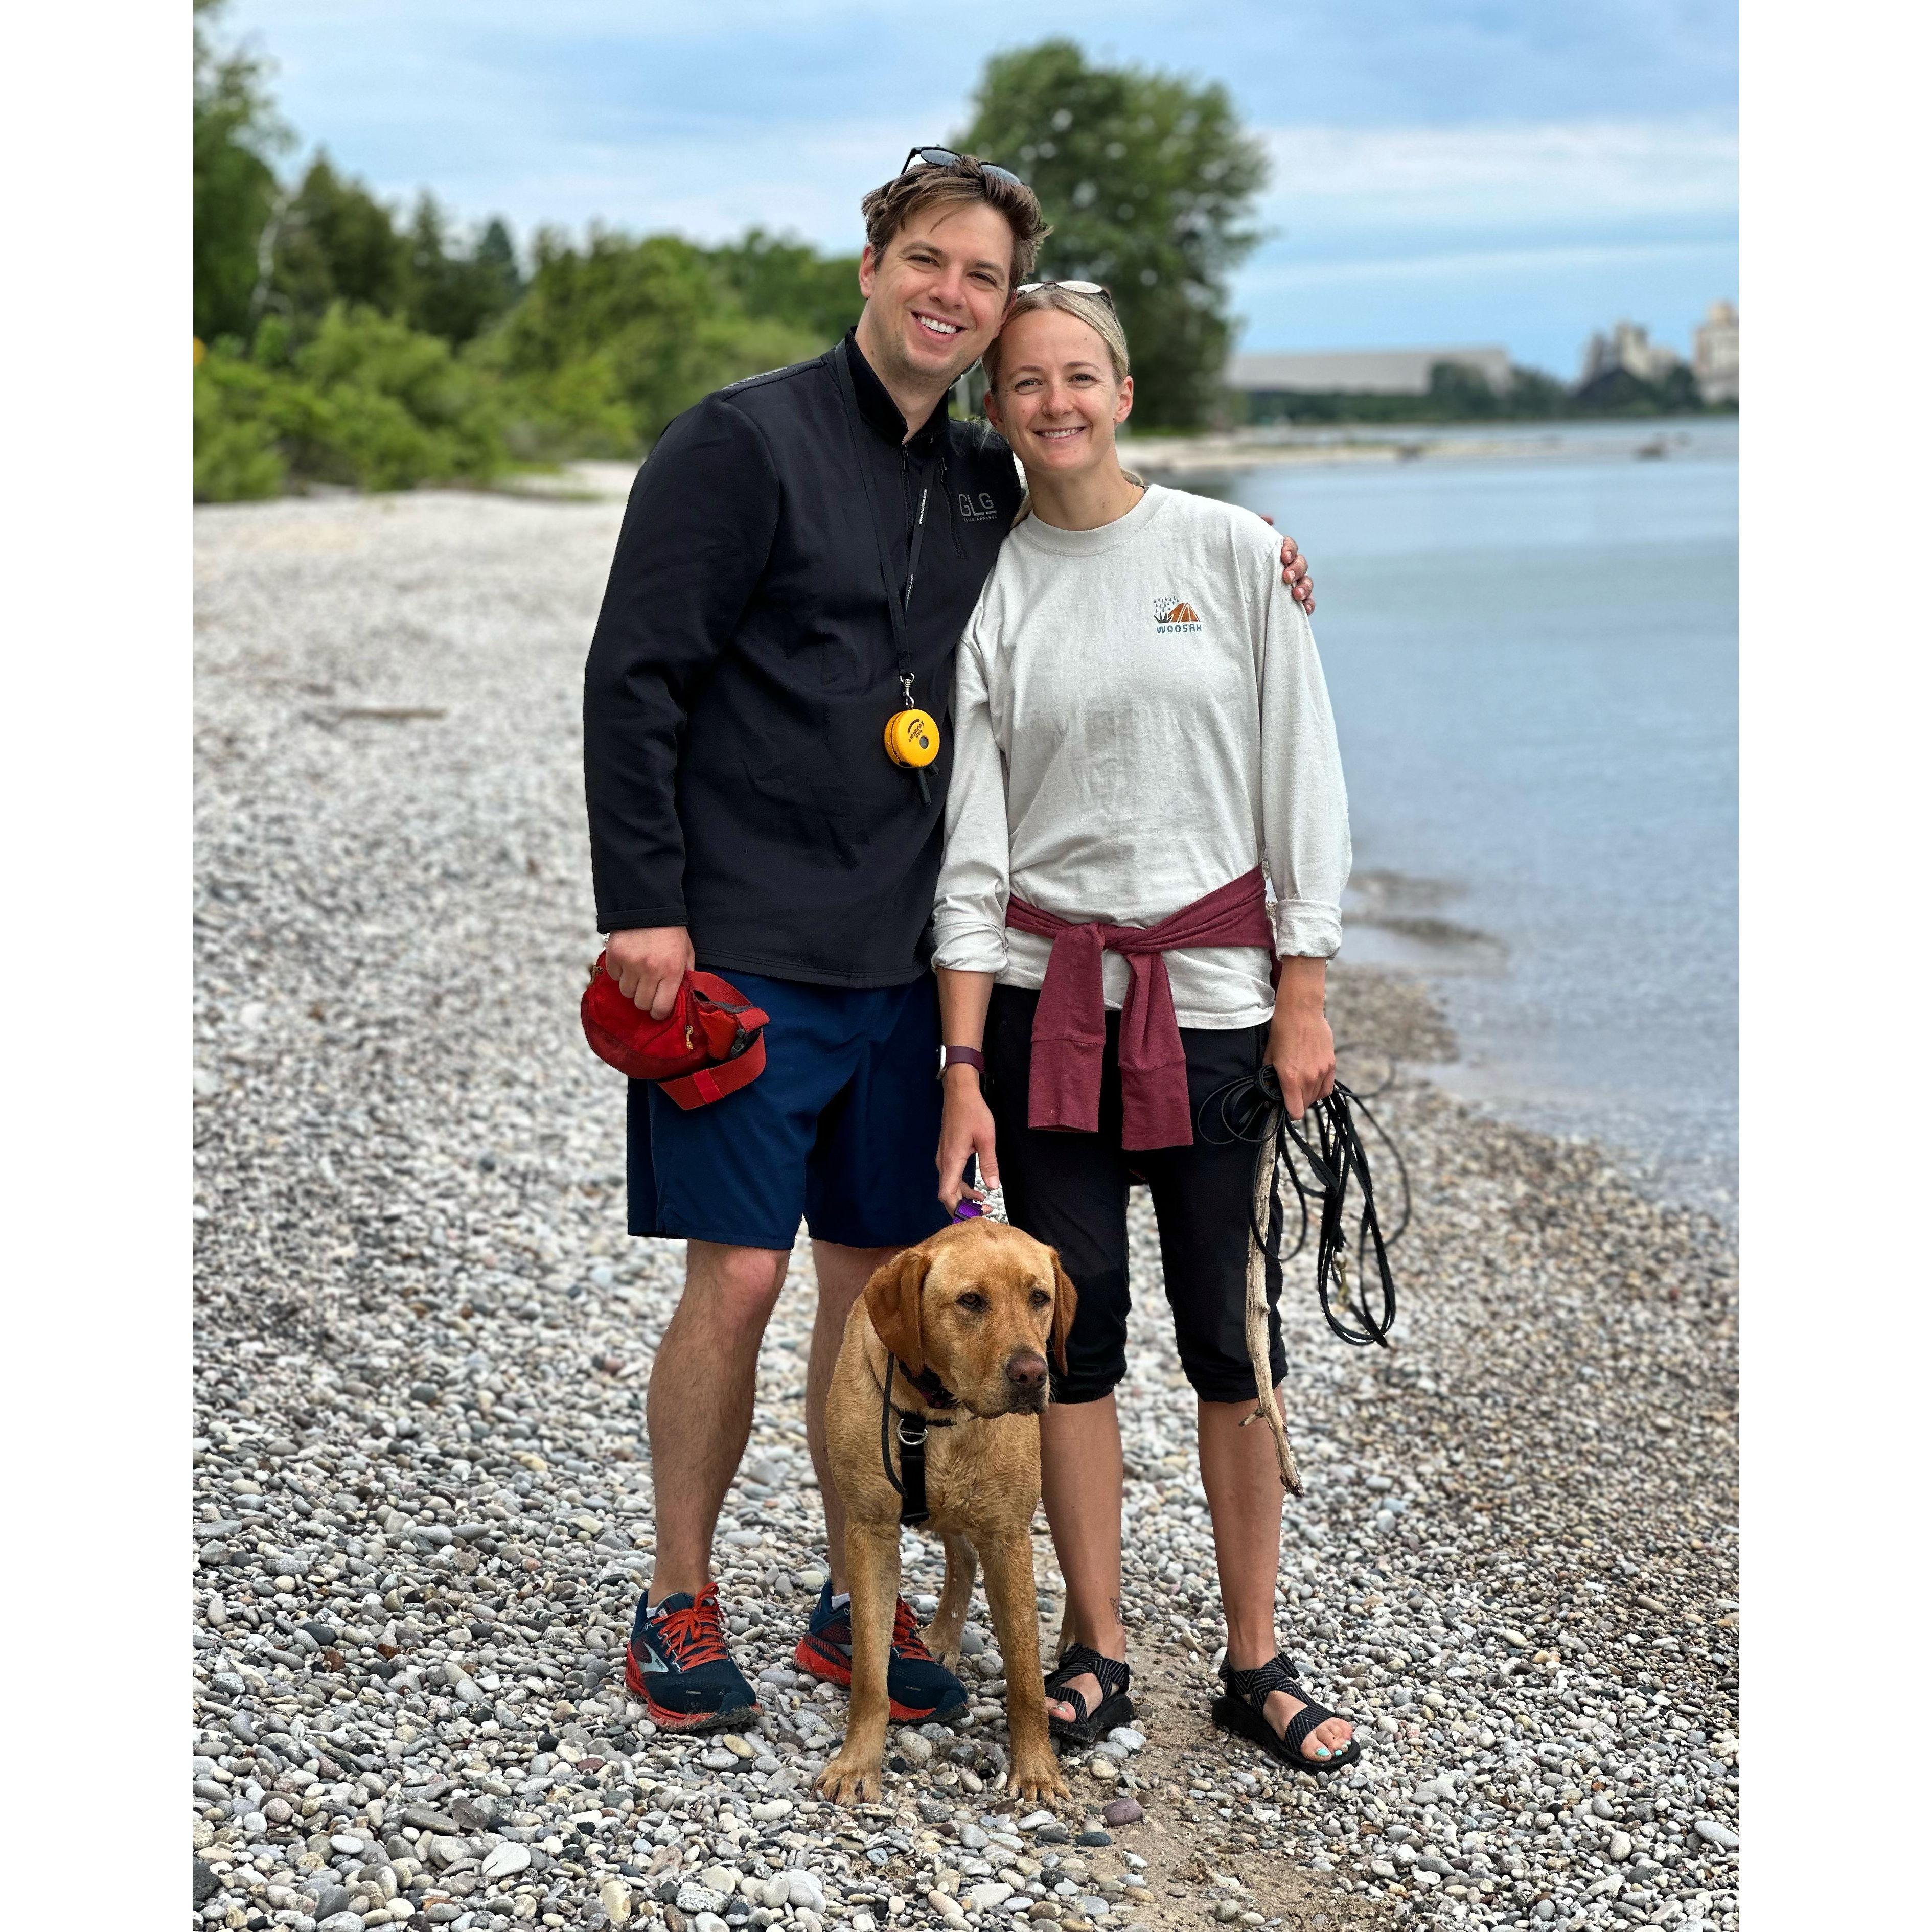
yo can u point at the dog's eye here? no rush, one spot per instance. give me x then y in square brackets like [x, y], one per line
[1041, 1299]
[973, 1304]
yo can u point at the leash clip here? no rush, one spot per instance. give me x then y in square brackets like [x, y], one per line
[911, 1431]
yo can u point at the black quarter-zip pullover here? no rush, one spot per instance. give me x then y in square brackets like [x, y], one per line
[744, 666]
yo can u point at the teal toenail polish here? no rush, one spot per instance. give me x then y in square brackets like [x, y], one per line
[1321, 1751]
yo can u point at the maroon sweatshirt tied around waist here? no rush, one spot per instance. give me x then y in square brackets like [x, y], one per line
[1069, 1026]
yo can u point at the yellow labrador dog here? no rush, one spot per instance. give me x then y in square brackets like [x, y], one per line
[934, 1401]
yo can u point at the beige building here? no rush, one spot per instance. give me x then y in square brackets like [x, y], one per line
[1628, 346]
[1715, 356]
[1378, 372]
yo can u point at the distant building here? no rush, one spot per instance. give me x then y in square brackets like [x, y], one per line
[1715, 357]
[1379, 372]
[1628, 348]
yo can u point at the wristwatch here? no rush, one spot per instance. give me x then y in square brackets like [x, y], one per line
[961, 1056]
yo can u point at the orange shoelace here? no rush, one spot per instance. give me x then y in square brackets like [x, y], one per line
[694, 1635]
[906, 1640]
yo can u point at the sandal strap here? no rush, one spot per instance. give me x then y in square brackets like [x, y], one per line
[1080, 1661]
[1311, 1717]
[1255, 1687]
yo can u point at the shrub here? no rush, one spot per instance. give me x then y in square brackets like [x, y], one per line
[611, 341]
[369, 401]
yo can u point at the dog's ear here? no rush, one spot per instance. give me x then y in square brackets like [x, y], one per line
[891, 1299]
[1065, 1301]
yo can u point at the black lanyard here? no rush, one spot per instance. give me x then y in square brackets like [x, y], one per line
[897, 605]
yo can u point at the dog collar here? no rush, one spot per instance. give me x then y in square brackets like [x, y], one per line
[931, 1388]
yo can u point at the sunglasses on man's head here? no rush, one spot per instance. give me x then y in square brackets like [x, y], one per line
[1072, 288]
[944, 157]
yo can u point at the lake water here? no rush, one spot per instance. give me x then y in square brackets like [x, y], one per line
[1533, 660]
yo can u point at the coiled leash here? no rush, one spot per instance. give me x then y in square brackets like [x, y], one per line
[1250, 1109]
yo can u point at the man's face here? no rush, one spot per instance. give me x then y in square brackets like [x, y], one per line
[936, 295]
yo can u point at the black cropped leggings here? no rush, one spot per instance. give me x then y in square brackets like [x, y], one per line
[1070, 1191]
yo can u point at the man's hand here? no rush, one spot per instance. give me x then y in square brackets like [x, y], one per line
[1294, 570]
[648, 964]
[1300, 1048]
[966, 1127]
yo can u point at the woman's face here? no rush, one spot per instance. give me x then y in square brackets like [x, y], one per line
[1057, 400]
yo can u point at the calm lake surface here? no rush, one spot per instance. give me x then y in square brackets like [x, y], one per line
[1533, 660]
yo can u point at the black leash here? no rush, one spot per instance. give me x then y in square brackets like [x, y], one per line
[911, 1491]
[1250, 1109]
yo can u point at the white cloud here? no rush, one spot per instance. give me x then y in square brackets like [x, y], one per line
[1451, 265]
[1560, 175]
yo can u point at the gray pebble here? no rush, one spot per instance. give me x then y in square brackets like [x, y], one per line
[460, 1242]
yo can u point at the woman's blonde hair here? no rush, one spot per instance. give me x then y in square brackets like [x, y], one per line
[1094, 310]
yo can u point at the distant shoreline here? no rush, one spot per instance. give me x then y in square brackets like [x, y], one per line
[1273, 446]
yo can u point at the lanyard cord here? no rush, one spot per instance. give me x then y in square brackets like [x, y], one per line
[1250, 1109]
[898, 606]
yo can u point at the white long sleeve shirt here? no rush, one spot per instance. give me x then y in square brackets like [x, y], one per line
[1140, 717]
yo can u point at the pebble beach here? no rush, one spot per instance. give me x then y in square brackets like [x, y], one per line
[422, 1507]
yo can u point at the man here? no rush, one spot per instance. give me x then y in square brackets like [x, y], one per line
[745, 817]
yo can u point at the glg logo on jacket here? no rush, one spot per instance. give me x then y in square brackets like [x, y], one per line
[1174, 613]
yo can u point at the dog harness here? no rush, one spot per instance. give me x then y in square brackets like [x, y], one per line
[910, 1482]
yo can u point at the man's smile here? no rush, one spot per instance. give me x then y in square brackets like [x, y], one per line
[936, 324]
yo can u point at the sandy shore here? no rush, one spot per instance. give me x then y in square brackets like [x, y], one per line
[422, 1502]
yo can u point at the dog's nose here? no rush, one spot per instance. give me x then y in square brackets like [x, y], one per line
[1027, 1372]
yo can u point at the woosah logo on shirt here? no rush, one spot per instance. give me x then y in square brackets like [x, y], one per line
[1174, 613]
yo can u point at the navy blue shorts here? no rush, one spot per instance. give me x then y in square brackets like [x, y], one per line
[840, 1130]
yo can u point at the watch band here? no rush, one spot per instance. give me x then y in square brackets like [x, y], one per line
[962, 1056]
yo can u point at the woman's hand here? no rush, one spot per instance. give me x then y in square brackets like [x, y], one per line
[965, 1128]
[1300, 1048]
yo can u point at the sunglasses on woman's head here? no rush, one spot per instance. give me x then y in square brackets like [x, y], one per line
[1072, 288]
[944, 157]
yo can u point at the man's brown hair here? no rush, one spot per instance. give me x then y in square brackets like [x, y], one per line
[889, 208]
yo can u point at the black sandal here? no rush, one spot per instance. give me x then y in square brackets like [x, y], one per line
[1243, 1709]
[1115, 1708]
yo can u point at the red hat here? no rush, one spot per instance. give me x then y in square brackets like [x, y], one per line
[711, 1042]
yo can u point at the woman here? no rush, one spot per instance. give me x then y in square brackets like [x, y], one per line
[1142, 726]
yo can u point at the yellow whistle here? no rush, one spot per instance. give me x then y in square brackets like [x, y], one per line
[912, 739]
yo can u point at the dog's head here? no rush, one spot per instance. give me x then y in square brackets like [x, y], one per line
[979, 1304]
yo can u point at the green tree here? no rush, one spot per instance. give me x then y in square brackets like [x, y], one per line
[337, 243]
[235, 130]
[611, 340]
[1532, 394]
[366, 401]
[1150, 183]
[453, 293]
[779, 280]
[1617, 392]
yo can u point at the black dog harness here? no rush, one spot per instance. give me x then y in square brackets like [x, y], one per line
[910, 1482]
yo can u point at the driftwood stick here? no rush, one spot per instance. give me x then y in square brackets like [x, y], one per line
[1267, 1406]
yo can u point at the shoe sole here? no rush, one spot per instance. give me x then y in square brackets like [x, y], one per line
[832, 1665]
[1110, 1714]
[682, 1720]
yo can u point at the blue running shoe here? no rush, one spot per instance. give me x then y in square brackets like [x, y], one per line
[918, 1686]
[677, 1661]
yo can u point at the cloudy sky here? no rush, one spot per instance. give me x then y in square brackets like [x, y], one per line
[1446, 171]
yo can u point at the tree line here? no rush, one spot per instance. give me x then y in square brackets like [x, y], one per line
[339, 339]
